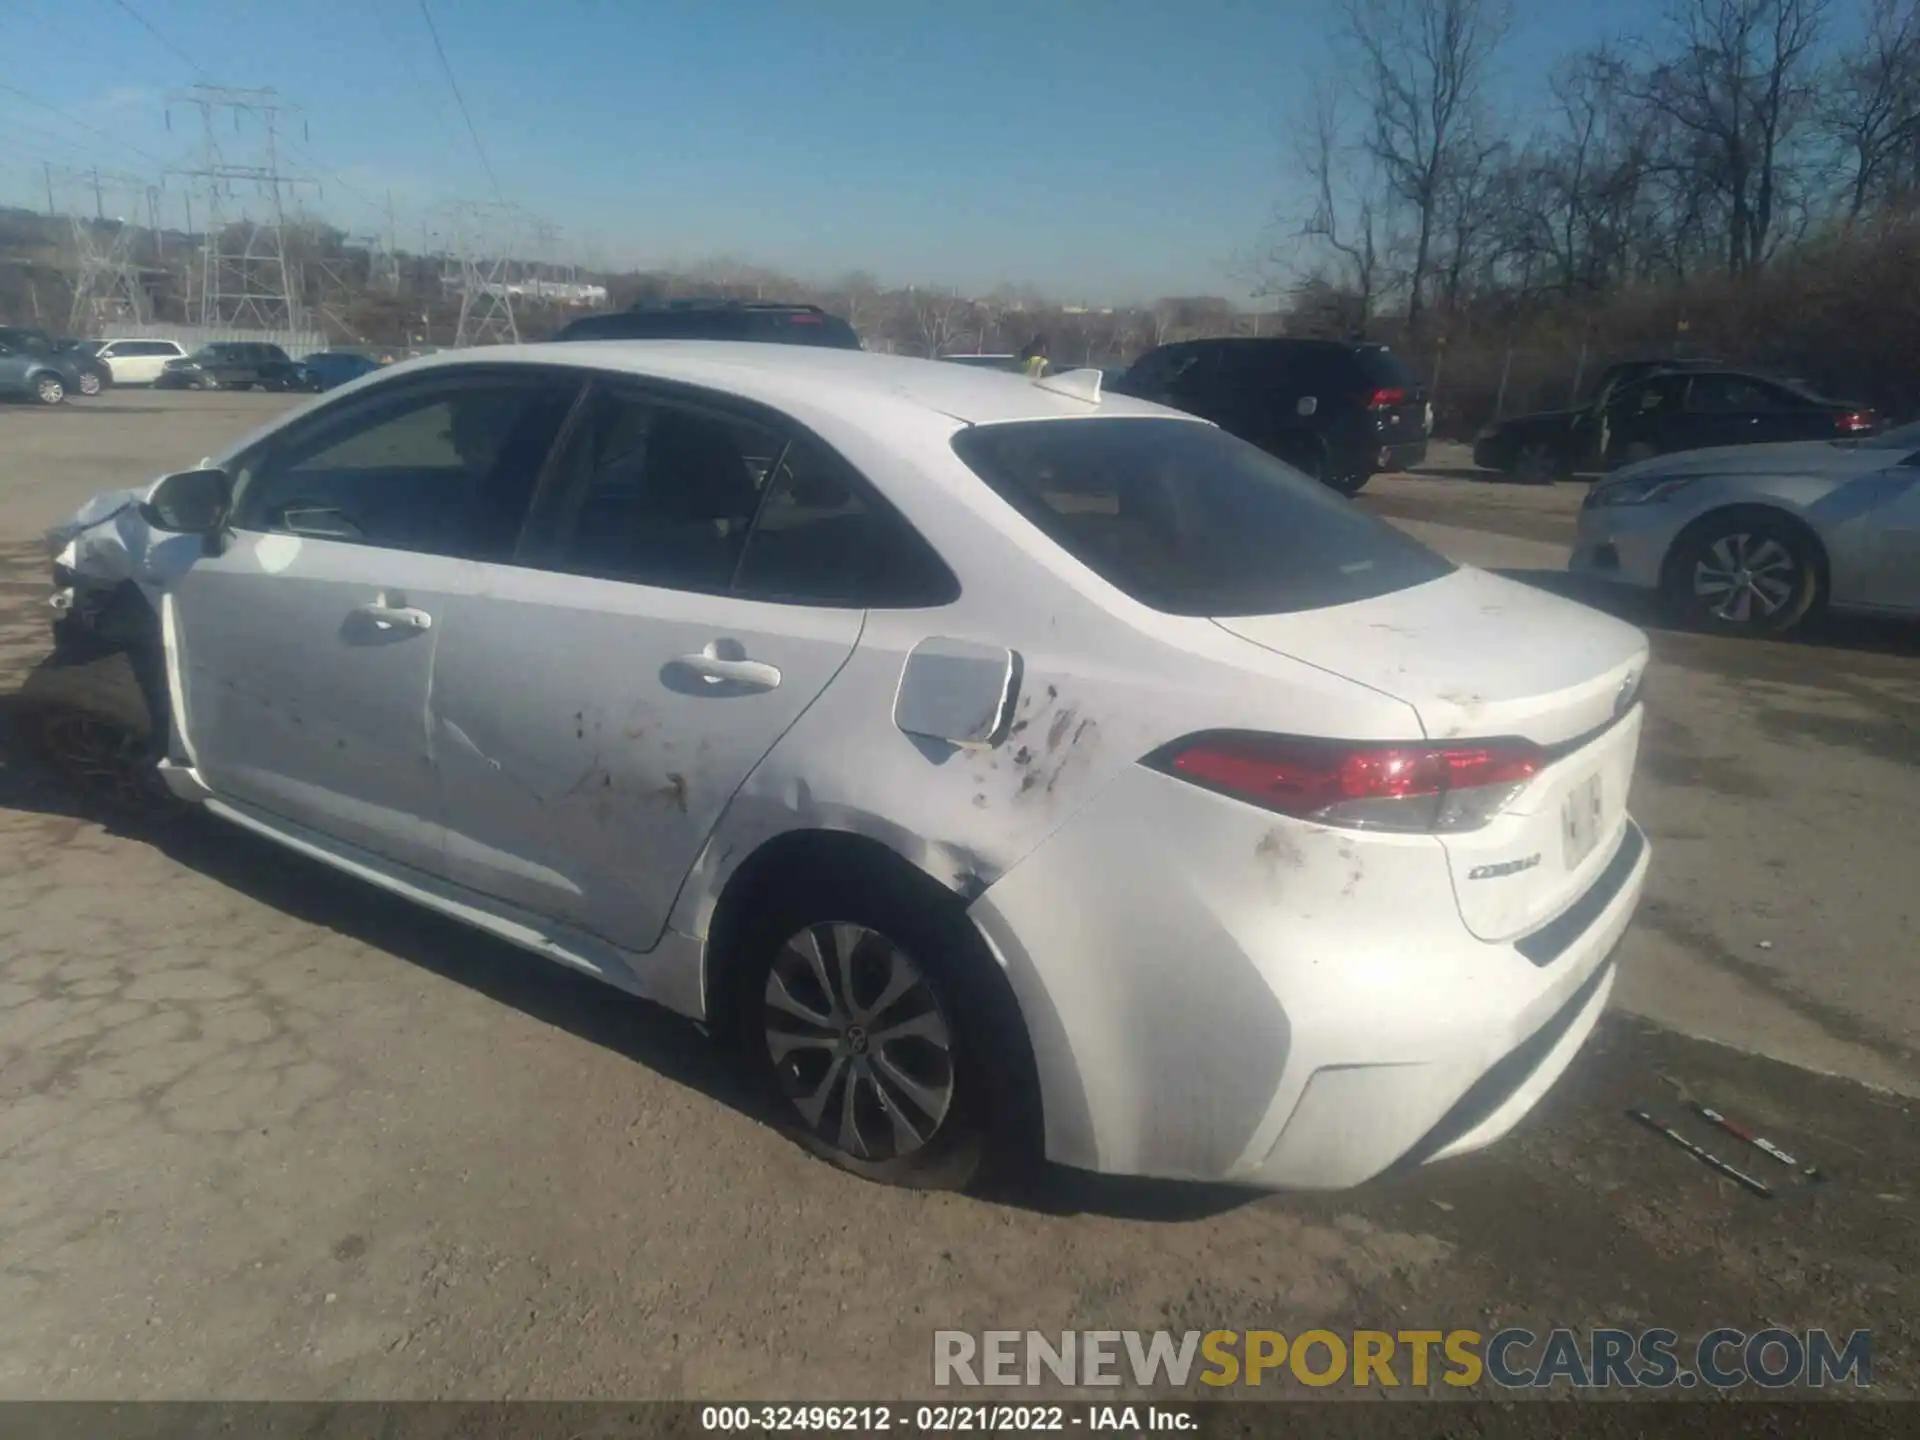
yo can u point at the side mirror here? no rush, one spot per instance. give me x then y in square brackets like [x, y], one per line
[192, 502]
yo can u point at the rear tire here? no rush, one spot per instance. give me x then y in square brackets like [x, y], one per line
[90, 383]
[1744, 573]
[1348, 484]
[877, 1059]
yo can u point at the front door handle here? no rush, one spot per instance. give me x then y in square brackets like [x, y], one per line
[754, 673]
[396, 617]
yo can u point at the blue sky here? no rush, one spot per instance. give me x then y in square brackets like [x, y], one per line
[1096, 149]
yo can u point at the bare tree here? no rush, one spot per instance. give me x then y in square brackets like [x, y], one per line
[939, 318]
[1871, 103]
[1347, 210]
[1424, 67]
[1737, 94]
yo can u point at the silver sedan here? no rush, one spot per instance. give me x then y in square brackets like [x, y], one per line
[1758, 537]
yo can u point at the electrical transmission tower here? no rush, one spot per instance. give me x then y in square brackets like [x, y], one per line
[485, 236]
[246, 279]
[106, 283]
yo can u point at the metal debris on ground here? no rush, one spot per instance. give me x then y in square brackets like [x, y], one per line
[1764, 1146]
[1712, 1162]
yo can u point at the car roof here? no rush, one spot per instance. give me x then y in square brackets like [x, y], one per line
[844, 383]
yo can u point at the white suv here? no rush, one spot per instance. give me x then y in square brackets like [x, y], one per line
[137, 362]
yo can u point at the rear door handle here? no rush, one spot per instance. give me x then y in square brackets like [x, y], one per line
[396, 617]
[754, 673]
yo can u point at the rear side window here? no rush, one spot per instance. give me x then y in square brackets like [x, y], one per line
[1190, 521]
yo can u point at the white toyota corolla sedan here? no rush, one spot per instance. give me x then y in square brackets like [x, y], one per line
[1012, 770]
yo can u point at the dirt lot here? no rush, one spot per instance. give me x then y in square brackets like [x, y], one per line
[268, 1133]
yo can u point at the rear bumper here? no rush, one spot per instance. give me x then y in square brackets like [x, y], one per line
[1216, 993]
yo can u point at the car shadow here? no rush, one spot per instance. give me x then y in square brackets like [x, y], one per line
[1865, 634]
[1491, 477]
[645, 1034]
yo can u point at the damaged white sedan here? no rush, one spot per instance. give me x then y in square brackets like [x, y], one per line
[1012, 770]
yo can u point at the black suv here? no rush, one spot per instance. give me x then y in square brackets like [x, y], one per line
[1342, 412]
[718, 320]
[234, 365]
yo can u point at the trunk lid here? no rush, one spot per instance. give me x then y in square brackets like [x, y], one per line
[1478, 657]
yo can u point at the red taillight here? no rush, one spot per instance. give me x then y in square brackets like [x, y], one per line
[1386, 399]
[1391, 787]
[1854, 421]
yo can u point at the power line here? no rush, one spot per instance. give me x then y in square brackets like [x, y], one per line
[460, 100]
[164, 42]
[75, 120]
[419, 86]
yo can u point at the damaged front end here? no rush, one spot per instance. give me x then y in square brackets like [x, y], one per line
[97, 707]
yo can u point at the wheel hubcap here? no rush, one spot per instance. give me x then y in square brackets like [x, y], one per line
[1744, 577]
[90, 385]
[859, 1041]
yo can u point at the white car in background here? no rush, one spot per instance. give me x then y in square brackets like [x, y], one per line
[1010, 769]
[1757, 537]
[137, 362]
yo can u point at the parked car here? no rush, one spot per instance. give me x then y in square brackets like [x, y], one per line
[36, 374]
[1004, 768]
[88, 376]
[1340, 412]
[1759, 537]
[232, 365]
[773, 322]
[1648, 408]
[327, 369]
[137, 362]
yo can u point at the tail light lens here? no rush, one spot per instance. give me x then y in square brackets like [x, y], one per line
[1854, 421]
[1386, 399]
[1411, 788]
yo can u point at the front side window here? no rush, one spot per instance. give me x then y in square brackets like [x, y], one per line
[444, 469]
[1190, 521]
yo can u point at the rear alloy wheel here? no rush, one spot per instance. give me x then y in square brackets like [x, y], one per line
[860, 1004]
[90, 383]
[49, 390]
[1537, 464]
[859, 1042]
[1751, 574]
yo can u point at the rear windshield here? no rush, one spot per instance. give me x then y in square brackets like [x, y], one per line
[1383, 368]
[1186, 519]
